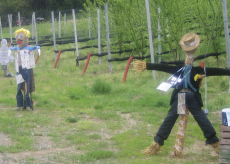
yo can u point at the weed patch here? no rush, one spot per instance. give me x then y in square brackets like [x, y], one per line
[96, 155]
[101, 87]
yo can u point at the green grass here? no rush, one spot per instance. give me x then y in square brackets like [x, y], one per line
[95, 118]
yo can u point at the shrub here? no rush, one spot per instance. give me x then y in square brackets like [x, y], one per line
[71, 119]
[98, 106]
[101, 87]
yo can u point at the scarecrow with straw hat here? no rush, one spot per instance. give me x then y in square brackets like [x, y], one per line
[185, 97]
[24, 64]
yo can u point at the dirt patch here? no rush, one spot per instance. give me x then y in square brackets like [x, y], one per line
[218, 113]
[5, 140]
[130, 122]
[198, 147]
[42, 156]
[45, 149]
[7, 107]
[43, 142]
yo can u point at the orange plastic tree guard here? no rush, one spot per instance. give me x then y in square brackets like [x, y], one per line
[55, 64]
[127, 68]
[86, 64]
[202, 65]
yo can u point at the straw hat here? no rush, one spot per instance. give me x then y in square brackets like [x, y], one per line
[189, 41]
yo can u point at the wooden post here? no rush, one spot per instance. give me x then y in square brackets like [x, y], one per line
[224, 148]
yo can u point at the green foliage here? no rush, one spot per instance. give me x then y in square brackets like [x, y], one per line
[114, 121]
[114, 127]
[98, 106]
[77, 138]
[129, 23]
[213, 30]
[101, 87]
[74, 97]
[223, 85]
[95, 136]
[96, 155]
[42, 8]
[107, 115]
[71, 119]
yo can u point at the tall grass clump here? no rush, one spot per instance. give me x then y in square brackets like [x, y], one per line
[101, 87]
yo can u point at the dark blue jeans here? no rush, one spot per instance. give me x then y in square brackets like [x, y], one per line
[26, 76]
[195, 109]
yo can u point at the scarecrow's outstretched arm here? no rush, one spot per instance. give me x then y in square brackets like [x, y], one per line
[140, 66]
[213, 71]
[217, 71]
[14, 48]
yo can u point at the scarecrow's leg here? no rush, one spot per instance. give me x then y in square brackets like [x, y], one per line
[163, 132]
[32, 104]
[152, 149]
[216, 146]
[25, 91]
[180, 136]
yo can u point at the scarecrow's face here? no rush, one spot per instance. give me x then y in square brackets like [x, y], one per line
[21, 39]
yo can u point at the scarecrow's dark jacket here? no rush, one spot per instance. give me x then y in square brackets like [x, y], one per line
[195, 70]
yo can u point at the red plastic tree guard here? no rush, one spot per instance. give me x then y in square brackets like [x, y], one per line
[55, 64]
[86, 64]
[127, 68]
[37, 58]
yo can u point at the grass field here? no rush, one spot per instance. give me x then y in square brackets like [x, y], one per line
[95, 118]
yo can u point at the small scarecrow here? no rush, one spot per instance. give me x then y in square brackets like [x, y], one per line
[24, 64]
[5, 57]
[185, 97]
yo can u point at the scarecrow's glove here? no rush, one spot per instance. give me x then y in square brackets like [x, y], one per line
[139, 66]
[198, 76]
[39, 51]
